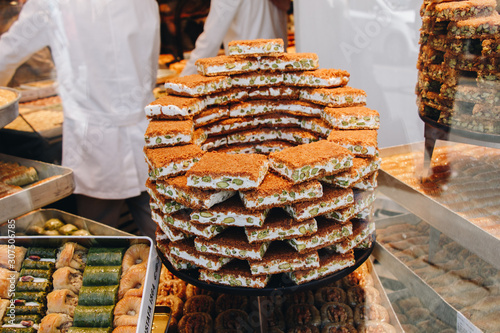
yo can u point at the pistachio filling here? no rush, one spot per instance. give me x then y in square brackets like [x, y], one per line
[280, 266]
[346, 179]
[314, 126]
[361, 150]
[170, 169]
[167, 140]
[200, 260]
[227, 182]
[353, 122]
[153, 110]
[277, 64]
[255, 219]
[229, 251]
[166, 206]
[182, 196]
[172, 235]
[228, 68]
[313, 81]
[334, 100]
[317, 273]
[308, 172]
[290, 136]
[224, 98]
[241, 49]
[258, 80]
[179, 264]
[316, 241]
[193, 228]
[282, 197]
[214, 143]
[273, 92]
[351, 242]
[234, 281]
[254, 122]
[343, 215]
[269, 233]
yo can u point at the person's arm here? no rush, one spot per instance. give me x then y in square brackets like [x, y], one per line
[26, 36]
[219, 19]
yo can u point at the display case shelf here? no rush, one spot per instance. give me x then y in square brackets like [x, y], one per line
[436, 214]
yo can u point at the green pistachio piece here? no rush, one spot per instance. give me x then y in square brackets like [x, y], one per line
[228, 220]
[206, 214]
[222, 184]
[314, 211]
[237, 181]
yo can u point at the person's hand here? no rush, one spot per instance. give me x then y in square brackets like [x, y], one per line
[282, 4]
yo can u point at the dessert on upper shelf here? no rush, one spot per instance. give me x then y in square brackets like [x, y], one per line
[458, 64]
[258, 177]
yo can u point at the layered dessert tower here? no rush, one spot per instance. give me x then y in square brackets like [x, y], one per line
[459, 64]
[262, 164]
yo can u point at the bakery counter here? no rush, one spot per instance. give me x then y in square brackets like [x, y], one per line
[459, 197]
[452, 285]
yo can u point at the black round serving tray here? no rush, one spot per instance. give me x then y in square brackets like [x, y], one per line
[461, 132]
[278, 284]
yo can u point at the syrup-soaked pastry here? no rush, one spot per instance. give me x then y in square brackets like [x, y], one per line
[364, 312]
[329, 294]
[168, 233]
[236, 274]
[299, 297]
[280, 226]
[319, 78]
[229, 301]
[197, 85]
[232, 243]
[256, 47]
[356, 117]
[158, 201]
[311, 161]
[361, 167]
[175, 304]
[362, 143]
[302, 314]
[362, 201]
[181, 221]
[185, 250]
[457, 11]
[226, 65]
[231, 212]
[171, 161]
[333, 199]
[19, 253]
[232, 320]
[338, 328]
[266, 106]
[330, 262]
[362, 295]
[327, 235]
[243, 123]
[265, 147]
[316, 125]
[161, 133]
[176, 189]
[196, 322]
[289, 62]
[293, 135]
[334, 97]
[210, 115]
[199, 303]
[220, 171]
[230, 96]
[477, 27]
[275, 191]
[257, 80]
[360, 277]
[334, 312]
[174, 107]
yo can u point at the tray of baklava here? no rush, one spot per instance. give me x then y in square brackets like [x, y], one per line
[77, 284]
[26, 185]
[453, 283]
[458, 196]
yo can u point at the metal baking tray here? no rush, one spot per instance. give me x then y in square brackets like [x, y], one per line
[56, 182]
[429, 298]
[40, 216]
[9, 111]
[439, 216]
[146, 313]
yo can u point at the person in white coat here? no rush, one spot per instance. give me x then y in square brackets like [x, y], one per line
[106, 57]
[230, 20]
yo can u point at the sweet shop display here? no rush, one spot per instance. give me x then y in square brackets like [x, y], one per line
[351, 304]
[458, 65]
[246, 183]
[72, 288]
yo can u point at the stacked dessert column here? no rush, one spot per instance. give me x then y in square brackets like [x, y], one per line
[459, 64]
[262, 164]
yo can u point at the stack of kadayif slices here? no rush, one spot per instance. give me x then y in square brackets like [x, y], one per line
[262, 164]
[459, 64]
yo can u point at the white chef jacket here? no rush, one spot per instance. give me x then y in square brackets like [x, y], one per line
[106, 56]
[230, 20]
